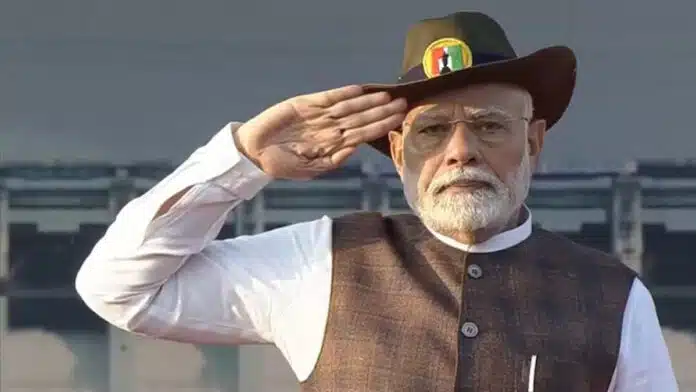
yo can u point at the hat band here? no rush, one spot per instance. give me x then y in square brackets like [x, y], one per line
[417, 73]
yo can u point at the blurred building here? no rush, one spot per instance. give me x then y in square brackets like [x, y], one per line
[51, 216]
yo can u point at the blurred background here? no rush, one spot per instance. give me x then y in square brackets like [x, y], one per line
[101, 98]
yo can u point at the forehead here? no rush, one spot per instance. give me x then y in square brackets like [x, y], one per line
[510, 99]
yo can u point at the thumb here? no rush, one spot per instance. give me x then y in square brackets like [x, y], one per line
[340, 156]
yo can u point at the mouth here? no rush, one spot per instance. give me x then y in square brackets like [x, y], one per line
[465, 186]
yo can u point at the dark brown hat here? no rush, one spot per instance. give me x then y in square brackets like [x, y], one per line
[467, 48]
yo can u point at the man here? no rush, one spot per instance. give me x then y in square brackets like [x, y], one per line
[464, 295]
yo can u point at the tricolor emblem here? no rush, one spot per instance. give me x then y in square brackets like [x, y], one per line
[446, 55]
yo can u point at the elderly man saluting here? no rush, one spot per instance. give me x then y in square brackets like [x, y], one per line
[463, 295]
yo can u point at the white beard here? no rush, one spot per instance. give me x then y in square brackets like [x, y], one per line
[466, 212]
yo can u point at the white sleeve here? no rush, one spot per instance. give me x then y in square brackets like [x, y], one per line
[168, 278]
[644, 364]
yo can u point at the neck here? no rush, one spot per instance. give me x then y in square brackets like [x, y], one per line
[482, 235]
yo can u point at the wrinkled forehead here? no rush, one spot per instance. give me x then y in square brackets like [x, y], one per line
[475, 100]
[450, 110]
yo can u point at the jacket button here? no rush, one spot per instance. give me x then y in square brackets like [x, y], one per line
[470, 330]
[474, 271]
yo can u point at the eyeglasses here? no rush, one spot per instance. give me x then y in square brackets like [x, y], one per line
[427, 133]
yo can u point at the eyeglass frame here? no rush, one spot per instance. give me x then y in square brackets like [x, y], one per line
[483, 114]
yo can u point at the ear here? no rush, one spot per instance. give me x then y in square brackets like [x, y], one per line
[535, 139]
[396, 147]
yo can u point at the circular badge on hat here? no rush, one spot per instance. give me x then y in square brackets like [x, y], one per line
[446, 55]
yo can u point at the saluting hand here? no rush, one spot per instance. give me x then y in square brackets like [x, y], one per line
[307, 135]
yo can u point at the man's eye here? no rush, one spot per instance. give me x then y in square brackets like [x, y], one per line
[489, 126]
[436, 128]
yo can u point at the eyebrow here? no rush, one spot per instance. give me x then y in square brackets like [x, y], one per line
[438, 112]
[489, 112]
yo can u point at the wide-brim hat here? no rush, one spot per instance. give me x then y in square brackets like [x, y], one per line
[468, 48]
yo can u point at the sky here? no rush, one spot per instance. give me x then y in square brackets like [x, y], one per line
[126, 81]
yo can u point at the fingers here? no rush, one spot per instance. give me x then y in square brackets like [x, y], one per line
[358, 104]
[373, 130]
[331, 97]
[338, 157]
[371, 115]
[352, 118]
[373, 123]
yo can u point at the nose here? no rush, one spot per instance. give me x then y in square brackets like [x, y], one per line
[461, 148]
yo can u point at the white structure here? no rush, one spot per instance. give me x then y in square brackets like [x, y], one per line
[61, 197]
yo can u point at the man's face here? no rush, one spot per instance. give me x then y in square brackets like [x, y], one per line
[466, 157]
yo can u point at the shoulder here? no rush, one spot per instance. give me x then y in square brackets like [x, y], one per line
[575, 250]
[571, 255]
[363, 226]
[299, 240]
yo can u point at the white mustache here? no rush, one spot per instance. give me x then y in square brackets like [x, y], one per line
[464, 175]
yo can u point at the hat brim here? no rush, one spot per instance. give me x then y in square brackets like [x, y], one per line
[547, 74]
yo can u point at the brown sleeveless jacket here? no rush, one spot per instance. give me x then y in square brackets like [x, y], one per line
[411, 314]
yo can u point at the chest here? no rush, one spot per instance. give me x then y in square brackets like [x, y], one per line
[478, 324]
